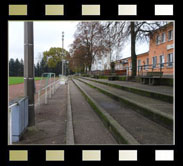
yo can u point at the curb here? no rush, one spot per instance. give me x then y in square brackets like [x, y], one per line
[154, 95]
[69, 128]
[153, 114]
[121, 135]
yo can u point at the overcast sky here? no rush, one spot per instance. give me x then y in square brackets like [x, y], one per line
[49, 34]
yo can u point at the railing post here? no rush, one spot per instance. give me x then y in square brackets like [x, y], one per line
[10, 128]
[50, 92]
[46, 95]
[39, 98]
[54, 85]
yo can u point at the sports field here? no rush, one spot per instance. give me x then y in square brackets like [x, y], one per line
[19, 80]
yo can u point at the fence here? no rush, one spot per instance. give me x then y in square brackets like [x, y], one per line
[108, 72]
[18, 111]
[46, 92]
[17, 119]
[166, 68]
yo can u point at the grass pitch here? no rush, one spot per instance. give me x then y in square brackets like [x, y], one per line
[19, 80]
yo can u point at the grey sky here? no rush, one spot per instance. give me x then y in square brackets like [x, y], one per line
[48, 34]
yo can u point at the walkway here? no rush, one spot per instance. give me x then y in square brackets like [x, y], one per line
[50, 121]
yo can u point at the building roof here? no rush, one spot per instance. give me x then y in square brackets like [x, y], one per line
[161, 28]
[142, 54]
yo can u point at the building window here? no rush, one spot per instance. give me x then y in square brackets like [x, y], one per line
[147, 64]
[158, 39]
[162, 60]
[170, 60]
[154, 60]
[163, 38]
[170, 35]
[139, 65]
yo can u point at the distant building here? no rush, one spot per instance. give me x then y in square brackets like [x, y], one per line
[159, 57]
[161, 49]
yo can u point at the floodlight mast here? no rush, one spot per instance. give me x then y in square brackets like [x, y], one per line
[62, 53]
[29, 87]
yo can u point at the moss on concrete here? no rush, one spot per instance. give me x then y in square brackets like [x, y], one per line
[141, 92]
[107, 122]
[157, 117]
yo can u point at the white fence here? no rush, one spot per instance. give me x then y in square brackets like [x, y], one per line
[17, 119]
[18, 111]
[47, 92]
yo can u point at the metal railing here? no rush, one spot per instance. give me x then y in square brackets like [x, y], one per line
[47, 92]
[17, 119]
[166, 68]
[17, 125]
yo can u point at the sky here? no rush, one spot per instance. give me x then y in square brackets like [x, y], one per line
[48, 34]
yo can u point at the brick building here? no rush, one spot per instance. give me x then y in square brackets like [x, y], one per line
[160, 56]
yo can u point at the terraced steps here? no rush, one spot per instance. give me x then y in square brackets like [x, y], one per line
[87, 126]
[163, 93]
[125, 123]
[156, 110]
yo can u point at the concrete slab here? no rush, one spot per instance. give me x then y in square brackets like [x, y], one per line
[88, 128]
[144, 130]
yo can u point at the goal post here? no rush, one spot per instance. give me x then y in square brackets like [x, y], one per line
[46, 79]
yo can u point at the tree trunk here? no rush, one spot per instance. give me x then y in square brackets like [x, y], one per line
[133, 55]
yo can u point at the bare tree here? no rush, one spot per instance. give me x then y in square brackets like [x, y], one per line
[89, 37]
[138, 31]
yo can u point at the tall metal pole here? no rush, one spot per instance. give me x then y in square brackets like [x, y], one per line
[29, 70]
[62, 53]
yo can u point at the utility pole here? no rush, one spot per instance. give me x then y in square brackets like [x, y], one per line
[62, 53]
[29, 70]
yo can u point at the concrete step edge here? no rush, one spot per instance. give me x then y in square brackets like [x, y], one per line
[154, 95]
[162, 118]
[69, 126]
[121, 135]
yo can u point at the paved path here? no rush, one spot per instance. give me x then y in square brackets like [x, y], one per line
[144, 130]
[88, 128]
[157, 89]
[50, 121]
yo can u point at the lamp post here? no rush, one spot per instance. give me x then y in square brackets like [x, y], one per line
[62, 53]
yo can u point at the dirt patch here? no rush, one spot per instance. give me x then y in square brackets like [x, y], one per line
[17, 90]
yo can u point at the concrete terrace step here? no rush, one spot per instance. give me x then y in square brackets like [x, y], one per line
[87, 126]
[164, 93]
[159, 111]
[134, 125]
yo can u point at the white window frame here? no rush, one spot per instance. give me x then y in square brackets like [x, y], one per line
[170, 60]
[139, 68]
[147, 64]
[169, 39]
[158, 39]
[154, 66]
[161, 61]
[163, 37]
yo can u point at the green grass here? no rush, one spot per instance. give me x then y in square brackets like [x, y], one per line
[18, 80]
